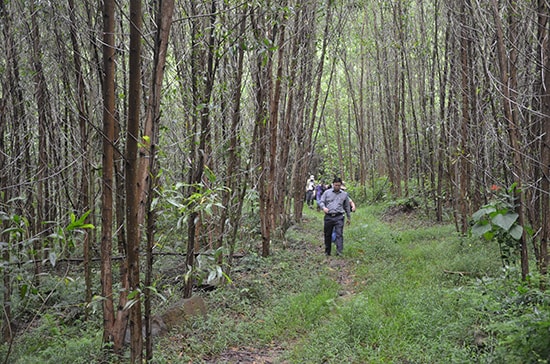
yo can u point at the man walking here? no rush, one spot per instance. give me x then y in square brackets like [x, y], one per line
[335, 203]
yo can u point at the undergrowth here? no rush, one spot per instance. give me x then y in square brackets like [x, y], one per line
[406, 291]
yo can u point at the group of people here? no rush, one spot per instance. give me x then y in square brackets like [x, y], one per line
[336, 204]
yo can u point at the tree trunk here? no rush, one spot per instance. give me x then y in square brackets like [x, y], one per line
[464, 185]
[108, 158]
[132, 188]
[231, 197]
[508, 81]
[43, 217]
[148, 168]
[203, 63]
[84, 194]
[544, 130]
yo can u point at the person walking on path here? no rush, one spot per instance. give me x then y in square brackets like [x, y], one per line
[310, 188]
[319, 190]
[335, 204]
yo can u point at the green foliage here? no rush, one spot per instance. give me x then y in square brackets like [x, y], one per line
[67, 237]
[184, 199]
[297, 314]
[498, 221]
[405, 292]
[53, 342]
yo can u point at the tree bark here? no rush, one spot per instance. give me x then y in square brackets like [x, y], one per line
[148, 168]
[508, 81]
[83, 120]
[544, 130]
[132, 184]
[107, 181]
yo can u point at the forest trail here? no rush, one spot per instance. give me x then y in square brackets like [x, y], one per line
[339, 269]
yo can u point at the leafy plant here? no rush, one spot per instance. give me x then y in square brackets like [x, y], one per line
[498, 221]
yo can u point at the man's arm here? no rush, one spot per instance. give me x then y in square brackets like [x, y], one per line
[347, 208]
[322, 201]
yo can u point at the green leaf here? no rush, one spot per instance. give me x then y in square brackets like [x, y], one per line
[516, 232]
[505, 221]
[133, 294]
[489, 235]
[480, 228]
[23, 291]
[482, 212]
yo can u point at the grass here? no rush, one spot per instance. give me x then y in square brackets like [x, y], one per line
[406, 291]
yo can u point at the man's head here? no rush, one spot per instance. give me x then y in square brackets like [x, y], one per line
[336, 184]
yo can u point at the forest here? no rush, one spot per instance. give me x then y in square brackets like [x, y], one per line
[145, 137]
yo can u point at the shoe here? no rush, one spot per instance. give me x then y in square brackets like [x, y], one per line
[338, 254]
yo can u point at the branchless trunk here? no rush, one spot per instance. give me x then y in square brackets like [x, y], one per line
[108, 158]
[203, 88]
[7, 80]
[132, 188]
[273, 202]
[508, 79]
[465, 120]
[544, 130]
[231, 197]
[83, 197]
[263, 64]
[147, 164]
[44, 120]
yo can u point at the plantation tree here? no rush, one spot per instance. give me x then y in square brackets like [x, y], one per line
[509, 85]
[82, 103]
[543, 128]
[203, 66]
[133, 189]
[148, 166]
[233, 197]
[6, 178]
[113, 322]
[440, 99]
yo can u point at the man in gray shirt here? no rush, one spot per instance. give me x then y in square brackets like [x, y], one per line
[335, 203]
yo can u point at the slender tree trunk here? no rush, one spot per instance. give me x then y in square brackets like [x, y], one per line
[5, 180]
[83, 200]
[132, 187]
[262, 77]
[202, 87]
[273, 202]
[464, 185]
[544, 130]
[44, 119]
[108, 167]
[508, 81]
[147, 164]
[231, 197]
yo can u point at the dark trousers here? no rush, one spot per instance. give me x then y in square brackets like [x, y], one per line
[309, 198]
[335, 223]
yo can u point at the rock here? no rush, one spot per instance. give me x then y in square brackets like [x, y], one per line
[182, 310]
[174, 316]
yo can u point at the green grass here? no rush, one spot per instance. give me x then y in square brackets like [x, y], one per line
[413, 292]
[414, 300]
